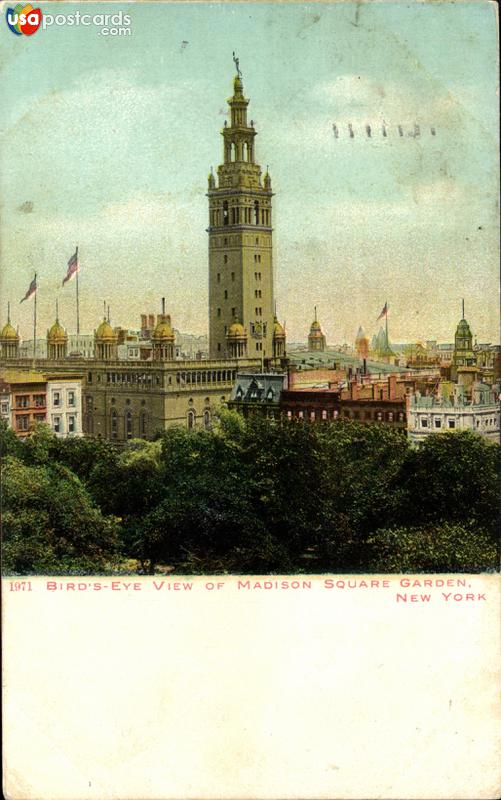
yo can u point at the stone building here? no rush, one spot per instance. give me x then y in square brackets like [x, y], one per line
[9, 339]
[479, 413]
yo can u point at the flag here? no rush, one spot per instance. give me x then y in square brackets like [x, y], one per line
[383, 313]
[31, 291]
[73, 267]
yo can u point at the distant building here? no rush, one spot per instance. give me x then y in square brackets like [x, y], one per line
[316, 338]
[362, 344]
[432, 414]
[28, 400]
[328, 405]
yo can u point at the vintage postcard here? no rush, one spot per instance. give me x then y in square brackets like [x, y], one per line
[250, 379]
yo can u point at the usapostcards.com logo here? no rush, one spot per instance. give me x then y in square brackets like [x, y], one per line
[26, 20]
[23, 19]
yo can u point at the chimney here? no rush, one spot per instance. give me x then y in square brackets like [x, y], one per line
[392, 387]
[151, 320]
[144, 323]
[365, 366]
[374, 391]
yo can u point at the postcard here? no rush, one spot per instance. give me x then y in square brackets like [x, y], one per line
[250, 381]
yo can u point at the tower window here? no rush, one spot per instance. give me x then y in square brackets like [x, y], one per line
[219, 346]
[225, 215]
[232, 276]
[226, 294]
[218, 277]
[219, 312]
[233, 312]
[225, 258]
[256, 213]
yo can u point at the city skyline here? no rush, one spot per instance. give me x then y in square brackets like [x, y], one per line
[132, 194]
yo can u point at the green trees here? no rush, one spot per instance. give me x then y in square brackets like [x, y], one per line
[251, 496]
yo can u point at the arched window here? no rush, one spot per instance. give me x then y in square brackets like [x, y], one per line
[207, 418]
[191, 419]
[128, 424]
[225, 213]
[142, 423]
[256, 212]
[114, 424]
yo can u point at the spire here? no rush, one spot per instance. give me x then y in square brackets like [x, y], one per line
[8, 313]
[316, 314]
[57, 310]
[463, 308]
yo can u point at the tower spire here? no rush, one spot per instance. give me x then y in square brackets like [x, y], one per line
[57, 310]
[8, 312]
[463, 308]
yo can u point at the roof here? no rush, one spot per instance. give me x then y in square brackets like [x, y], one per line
[310, 358]
[8, 332]
[19, 376]
[105, 331]
[258, 387]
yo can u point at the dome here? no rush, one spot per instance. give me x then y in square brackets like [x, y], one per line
[8, 332]
[236, 330]
[463, 329]
[278, 329]
[57, 333]
[315, 326]
[105, 331]
[163, 331]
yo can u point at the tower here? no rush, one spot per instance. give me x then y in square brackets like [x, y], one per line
[240, 242]
[105, 342]
[316, 338]
[464, 355]
[362, 344]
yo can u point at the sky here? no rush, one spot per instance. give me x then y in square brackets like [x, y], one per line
[107, 141]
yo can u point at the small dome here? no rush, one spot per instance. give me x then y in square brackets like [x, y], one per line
[9, 333]
[236, 330]
[315, 326]
[238, 86]
[278, 329]
[105, 331]
[163, 331]
[463, 329]
[316, 333]
[57, 333]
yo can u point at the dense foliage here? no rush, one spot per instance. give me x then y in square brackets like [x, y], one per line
[251, 496]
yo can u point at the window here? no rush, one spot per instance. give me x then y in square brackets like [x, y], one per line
[71, 424]
[219, 312]
[142, 423]
[289, 414]
[71, 398]
[219, 346]
[379, 416]
[57, 424]
[452, 423]
[438, 423]
[324, 413]
[39, 417]
[232, 276]
[22, 422]
[234, 312]
[225, 215]
[312, 416]
[207, 419]
[226, 294]
[22, 401]
[128, 424]
[114, 424]
[39, 400]
[225, 258]
[5, 408]
[191, 419]
[390, 416]
[56, 399]
[424, 423]
[300, 415]
[218, 277]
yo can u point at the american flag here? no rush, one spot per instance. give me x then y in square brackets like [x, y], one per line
[73, 267]
[383, 313]
[31, 290]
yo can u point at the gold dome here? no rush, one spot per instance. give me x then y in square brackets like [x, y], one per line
[105, 331]
[163, 331]
[236, 330]
[278, 329]
[57, 334]
[315, 327]
[9, 333]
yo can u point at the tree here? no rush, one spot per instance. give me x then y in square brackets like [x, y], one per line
[443, 547]
[50, 523]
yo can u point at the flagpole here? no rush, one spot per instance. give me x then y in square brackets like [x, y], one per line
[35, 321]
[78, 309]
[386, 320]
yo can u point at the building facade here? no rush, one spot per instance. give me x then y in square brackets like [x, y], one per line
[64, 406]
[479, 414]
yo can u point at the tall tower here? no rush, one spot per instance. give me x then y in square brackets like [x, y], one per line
[240, 242]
